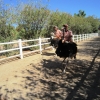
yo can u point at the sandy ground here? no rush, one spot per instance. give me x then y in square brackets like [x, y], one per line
[39, 77]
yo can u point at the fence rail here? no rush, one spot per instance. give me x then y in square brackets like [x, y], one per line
[40, 44]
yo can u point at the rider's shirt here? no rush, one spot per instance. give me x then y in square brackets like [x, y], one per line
[58, 34]
[68, 36]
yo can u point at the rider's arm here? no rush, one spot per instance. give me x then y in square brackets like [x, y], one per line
[58, 34]
[70, 36]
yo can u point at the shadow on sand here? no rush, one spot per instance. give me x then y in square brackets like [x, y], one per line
[45, 81]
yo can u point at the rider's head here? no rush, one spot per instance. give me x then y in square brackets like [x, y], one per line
[65, 26]
[55, 28]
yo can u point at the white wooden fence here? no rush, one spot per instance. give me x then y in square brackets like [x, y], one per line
[40, 43]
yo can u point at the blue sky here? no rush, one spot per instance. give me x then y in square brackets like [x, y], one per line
[90, 7]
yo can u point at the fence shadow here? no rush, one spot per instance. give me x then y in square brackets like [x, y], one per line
[89, 97]
[66, 86]
[80, 82]
[89, 47]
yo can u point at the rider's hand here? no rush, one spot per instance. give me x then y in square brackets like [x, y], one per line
[62, 41]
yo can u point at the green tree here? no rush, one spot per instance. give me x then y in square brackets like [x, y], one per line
[6, 23]
[95, 22]
[81, 13]
[33, 20]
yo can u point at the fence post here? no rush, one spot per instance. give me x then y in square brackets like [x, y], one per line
[80, 37]
[40, 45]
[83, 37]
[20, 48]
[77, 38]
[86, 36]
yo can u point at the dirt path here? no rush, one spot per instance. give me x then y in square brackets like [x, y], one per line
[39, 77]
